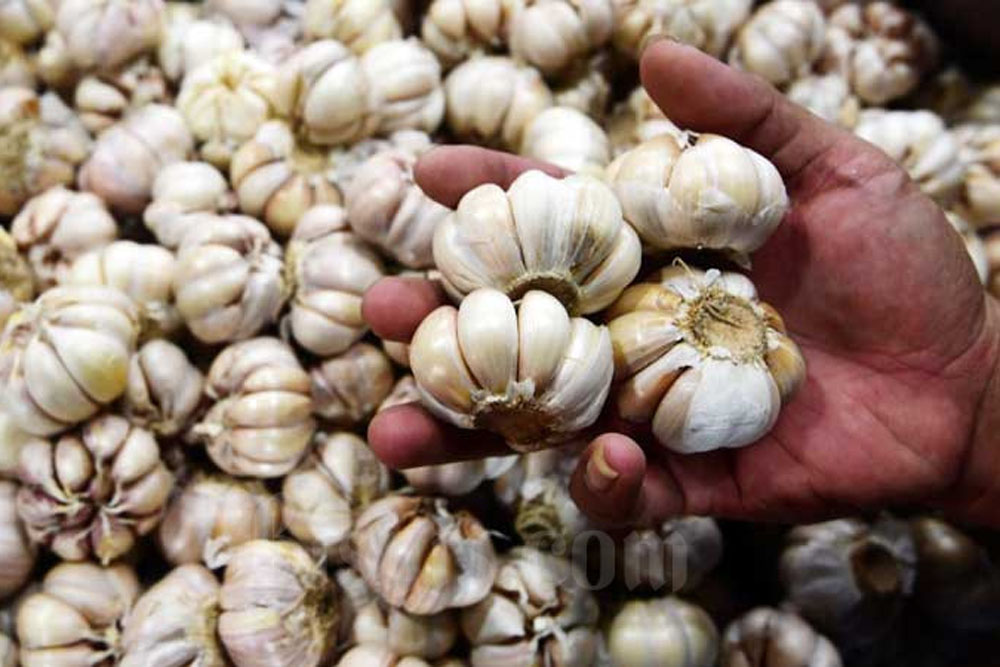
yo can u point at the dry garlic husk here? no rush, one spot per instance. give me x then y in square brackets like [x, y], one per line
[828, 96]
[128, 156]
[214, 514]
[416, 554]
[705, 24]
[66, 355]
[483, 366]
[229, 280]
[279, 608]
[261, 423]
[17, 553]
[455, 29]
[322, 497]
[552, 35]
[698, 355]
[15, 68]
[103, 35]
[163, 389]
[980, 150]
[457, 478]
[348, 388]
[56, 227]
[404, 86]
[973, 244]
[101, 101]
[567, 138]
[25, 21]
[359, 24]
[664, 631]
[92, 493]
[173, 624]
[562, 236]
[77, 616]
[181, 191]
[781, 41]
[766, 637]
[675, 556]
[492, 99]
[711, 194]
[189, 41]
[405, 634]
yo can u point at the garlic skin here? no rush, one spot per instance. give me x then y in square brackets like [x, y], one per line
[698, 355]
[676, 556]
[180, 190]
[712, 194]
[260, 424]
[973, 245]
[58, 226]
[189, 42]
[49, 380]
[781, 41]
[279, 608]
[417, 555]
[323, 495]
[213, 515]
[569, 139]
[77, 616]
[828, 96]
[398, 352]
[404, 85]
[246, 14]
[93, 492]
[663, 631]
[15, 68]
[484, 366]
[101, 101]
[358, 24]
[492, 99]
[17, 553]
[563, 236]
[163, 390]
[348, 388]
[457, 478]
[980, 195]
[766, 637]
[229, 281]
[427, 637]
[637, 120]
[173, 624]
[24, 21]
[455, 29]
[551, 36]
[707, 25]
[103, 35]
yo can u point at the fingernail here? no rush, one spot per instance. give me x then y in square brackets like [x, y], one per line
[599, 475]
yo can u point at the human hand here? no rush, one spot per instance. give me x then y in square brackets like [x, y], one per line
[901, 342]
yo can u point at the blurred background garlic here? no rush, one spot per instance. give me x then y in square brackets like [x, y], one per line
[348, 388]
[24, 21]
[459, 477]
[766, 637]
[163, 389]
[828, 96]
[12, 440]
[260, 424]
[359, 24]
[404, 85]
[8, 651]
[103, 35]
[15, 68]
[101, 101]
[662, 631]
[973, 244]
[569, 139]
[247, 15]
[182, 190]
[380, 655]
[214, 514]
[174, 622]
[17, 553]
[455, 29]
[323, 496]
[980, 150]
[991, 242]
[552, 35]
[702, 358]
[587, 88]
[483, 365]
[17, 280]
[190, 41]
[674, 557]
[66, 355]
[92, 493]
[781, 41]
[707, 25]
[279, 608]
[636, 120]
[418, 555]
[427, 637]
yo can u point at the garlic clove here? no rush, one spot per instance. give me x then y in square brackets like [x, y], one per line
[440, 365]
[665, 631]
[544, 330]
[487, 331]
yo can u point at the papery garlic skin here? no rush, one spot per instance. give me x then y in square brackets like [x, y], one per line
[214, 514]
[348, 388]
[17, 280]
[766, 637]
[973, 245]
[980, 150]
[675, 556]
[536, 489]
[65, 356]
[455, 29]
[417, 555]
[552, 35]
[664, 631]
[17, 553]
[427, 637]
[163, 389]
[535, 376]
[404, 86]
[829, 97]
[781, 41]
[180, 190]
[569, 139]
[991, 243]
[24, 21]
[457, 478]
[103, 35]
[359, 24]
[563, 236]
[189, 42]
[707, 25]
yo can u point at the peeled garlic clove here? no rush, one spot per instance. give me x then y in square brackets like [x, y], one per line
[829, 97]
[180, 189]
[102, 35]
[707, 25]
[781, 40]
[17, 554]
[664, 631]
[675, 556]
[359, 24]
[189, 42]
[348, 388]
[569, 139]
[552, 35]
[24, 21]
[770, 638]
[455, 29]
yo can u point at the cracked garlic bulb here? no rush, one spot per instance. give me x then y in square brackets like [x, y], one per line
[65, 356]
[348, 388]
[416, 554]
[979, 199]
[702, 358]
[457, 478]
[770, 638]
[189, 41]
[103, 35]
[359, 24]
[829, 97]
[565, 236]
[484, 366]
[781, 41]
[404, 86]
[25, 21]
[569, 139]
[17, 553]
[455, 29]
[676, 555]
[229, 279]
[180, 190]
[707, 25]
[427, 637]
[163, 390]
[101, 101]
[712, 193]
[663, 631]
[552, 34]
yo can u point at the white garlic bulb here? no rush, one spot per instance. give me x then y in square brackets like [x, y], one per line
[416, 554]
[828, 96]
[770, 638]
[404, 86]
[980, 150]
[103, 35]
[427, 637]
[675, 556]
[348, 388]
[569, 139]
[359, 24]
[380, 655]
[163, 389]
[536, 488]
[552, 35]
[588, 88]
[322, 497]
[484, 365]
[398, 352]
[247, 14]
[637, 120]
[54, 65]
[17, 553]
[229, 281]
[991, 242]
[707, 25]
[781, 41]
[9, 651]
[664, 631]
[56, 227]
[65, 356]
[15, 68]
[189, 42]
[102, 100]
[455, 29]
[984, 107]
[174, 622]
[700, 356]
[24, 21]
[181, 189]
[459, 477]
[973, 244]
[12, 441]
[403, 392]
[563, 236]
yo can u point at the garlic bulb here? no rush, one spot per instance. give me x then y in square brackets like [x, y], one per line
[829, 97]
[17, 554]
[455, 29]
[8, 651]
[700, 356]
[76, 618]
[712, 194]
[163, 390]
[537, 490]
[93, 492]
[770, 638]
[213, 515]
[973, 245]
[53, 63]
[128, 156]
[279, 608]
[567, 138]
[24, 21]
[663, 631]
[15, 68]
[405, 634]
[991, 242]
[459, 477]
[404, 85]
[552, 35]
[416, 554]
[103, 35]
[260, 424]
[65, 356]
[174, 622]
[984, 106]
[398, 352]
[56, 227]
[637, 120]
[12, 441]
[348, 388]
[707, 25]
[587, 89]
[491, 100]
[675, 556]
[403, 392]
[980, 194]
[379, 655]
[246, 14]
[563, 236]
[181, 189]
[359, 24]
[189, 42]
[323, 495]
[101, 101]
[781, 41]
[229, 282]
[483, 365]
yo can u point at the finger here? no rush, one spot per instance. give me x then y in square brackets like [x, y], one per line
[446, 173]
[607, 479]
[407, 436]
[394, 307]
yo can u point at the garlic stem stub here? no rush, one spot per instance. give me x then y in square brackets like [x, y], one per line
[533, 375]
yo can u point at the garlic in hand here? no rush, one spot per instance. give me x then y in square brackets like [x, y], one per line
[484, 365]
[675, 556]
[980, 150]
[404, 86]
[163, 389]
[359, 24]
[781, 41]
[552, 35]
[700, 356]
[707, 25]
[766, 637]
[180, 190]
[405, 634]
[664, 631]
[348, 388]
[25, 21]
[455, 29]
[103, 35]
[17, 553]
[829, 97]
[569, 139]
